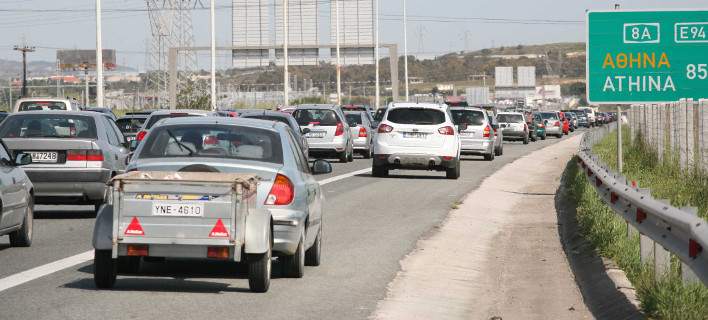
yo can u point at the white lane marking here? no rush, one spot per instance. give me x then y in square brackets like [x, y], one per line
[41, 271]
[344, 176]
[52, 267]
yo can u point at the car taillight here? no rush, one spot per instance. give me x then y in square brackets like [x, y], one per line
[340, 129]
[282, 192]
[384, 128]
[448, 131]
[557, 124]
[84, 155]
[487, 131]
[362, 132]
[141, 135]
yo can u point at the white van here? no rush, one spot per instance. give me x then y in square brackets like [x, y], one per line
[591, 115]
[45, 104]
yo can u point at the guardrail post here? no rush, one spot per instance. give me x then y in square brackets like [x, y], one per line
[662, 257]
[646, 249]
[687, 274]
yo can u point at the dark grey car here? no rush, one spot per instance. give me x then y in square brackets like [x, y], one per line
[74, 153]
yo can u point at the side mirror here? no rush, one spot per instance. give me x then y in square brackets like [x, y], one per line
[305, 130]
[23, 159]
[321, 167]
[462, 127]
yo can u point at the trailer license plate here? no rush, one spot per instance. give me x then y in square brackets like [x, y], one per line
[177, 209]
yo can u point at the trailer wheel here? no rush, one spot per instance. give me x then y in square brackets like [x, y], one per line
[104, 269]
[259, 268]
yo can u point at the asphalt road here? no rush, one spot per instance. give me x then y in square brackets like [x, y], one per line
[370, 225]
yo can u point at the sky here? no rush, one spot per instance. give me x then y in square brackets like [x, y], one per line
[435, 26]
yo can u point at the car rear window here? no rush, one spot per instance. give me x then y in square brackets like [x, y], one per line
[510, 118]
[213, 141]
[130, 125]
[48, 126]
[268, 118]
[469, 117]
[353, 118]
[322, 117]
[155, 118]
[42, 105]
[419, 116]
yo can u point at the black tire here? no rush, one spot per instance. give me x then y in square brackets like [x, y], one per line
[534, 138]
[23, 237]
[526, 140]
[313, 256]
[129, 265]
[97, 206]
[543, 137]
[453, 173]
[499, 151]
[367, 154]
[489, 157]
[379, 171]
[259, 268]
[294, 265]
[566, 133]
[350, 157]
[104, 269]
[343, 156]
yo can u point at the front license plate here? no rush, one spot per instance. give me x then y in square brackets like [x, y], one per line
[177, 209]
[45, 157]
[415, 135]
[316, 134]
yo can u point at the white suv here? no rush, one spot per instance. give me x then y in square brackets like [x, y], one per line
[417, 136]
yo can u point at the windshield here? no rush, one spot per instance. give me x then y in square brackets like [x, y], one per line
[130, 125]
[48, 126]
[42, 105]
[469, 117]
[549, 116]
[213, 141]
[418, 116]
[322, 117]
[157, 117]
[353, 119]
[510, 118]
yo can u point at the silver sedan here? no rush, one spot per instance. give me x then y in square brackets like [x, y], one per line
[265, 148]
[17, 211]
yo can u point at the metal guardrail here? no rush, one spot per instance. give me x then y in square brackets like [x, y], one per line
[679, 231]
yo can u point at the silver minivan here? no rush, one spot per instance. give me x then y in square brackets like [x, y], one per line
[329, 131]
[476, 132]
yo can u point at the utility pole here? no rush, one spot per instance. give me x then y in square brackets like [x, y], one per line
[99, 57]
[405, 47]
[24, 49]
[10, 89]
[59, 95]
[87, 97]
[213, 54]
[286, 60]
[377, 100]
[339, 62]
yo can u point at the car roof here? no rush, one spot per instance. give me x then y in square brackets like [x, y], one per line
[263, 112]
[190, 111]
[511, 112]
[418, 105]
[59, 112]
[42, 99]
[134, 116]
[317, 106]
[467, 108]
[255, 123]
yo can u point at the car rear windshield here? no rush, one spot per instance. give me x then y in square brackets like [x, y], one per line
[322, 117]
[42, 105]
[469, 117]
[268, 118]
[549, 116]
[353, 119]
[130, 125]
[157, 117]
[510, 118]
[213, 141]
[48, 126]
[420, 116]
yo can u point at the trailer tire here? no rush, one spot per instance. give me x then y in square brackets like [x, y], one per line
[294, 265]
[104, 269]
[259, 268]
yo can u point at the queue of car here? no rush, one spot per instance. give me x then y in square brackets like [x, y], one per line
[181, 183]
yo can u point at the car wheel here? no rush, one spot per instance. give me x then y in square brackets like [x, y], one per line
[259, 267]
[104, 269]
[543, 137]
[489, 157]
[453, 173]
[313, 256]
[367, 154]
[560, 135]
[379, 171]
[294, 265]
[23, 236]
[350, 157]
[343, 156]
[565, 133]
[526, 140]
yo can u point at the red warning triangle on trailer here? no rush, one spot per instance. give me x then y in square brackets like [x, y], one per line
[134, 228]
[219, 230]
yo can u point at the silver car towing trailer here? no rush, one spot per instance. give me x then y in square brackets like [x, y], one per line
[193, 215]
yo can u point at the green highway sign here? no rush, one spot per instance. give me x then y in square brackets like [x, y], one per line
[646, 56]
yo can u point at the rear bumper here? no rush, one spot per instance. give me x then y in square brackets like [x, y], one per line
[84, 185]
[362, 144]
[513, 134]
[477, 147]
[338, 145]
[288, 225]
[415, 161]
[553, 130]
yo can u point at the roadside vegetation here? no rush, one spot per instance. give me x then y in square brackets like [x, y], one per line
[664, 298]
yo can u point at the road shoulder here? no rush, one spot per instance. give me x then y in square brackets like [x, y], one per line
[497, 255]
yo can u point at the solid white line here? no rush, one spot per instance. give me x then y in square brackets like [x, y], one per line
[41, 271]
[52, 267]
